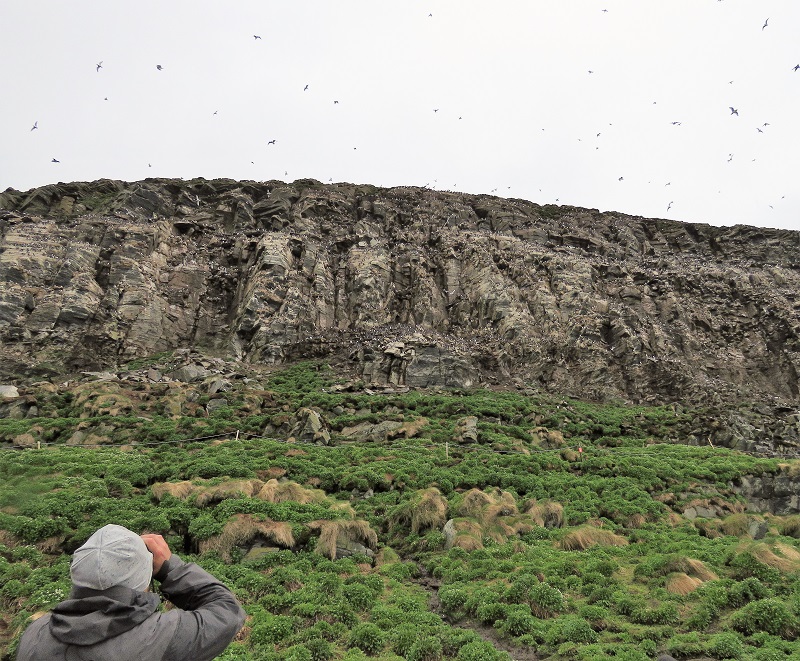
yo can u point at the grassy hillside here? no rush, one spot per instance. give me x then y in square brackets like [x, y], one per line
[423, 526]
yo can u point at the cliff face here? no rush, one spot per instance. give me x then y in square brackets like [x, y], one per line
[407, 285]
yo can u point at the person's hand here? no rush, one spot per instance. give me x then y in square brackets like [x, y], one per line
[158, 546]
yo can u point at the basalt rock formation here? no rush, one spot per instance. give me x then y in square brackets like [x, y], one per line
[406, 286]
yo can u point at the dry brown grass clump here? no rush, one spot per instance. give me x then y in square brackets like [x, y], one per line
[425, 510]
[636, 520]
[469, 534]
[281, 492]
[585, 537]
[735, 525]
[241, 529]
[547, 514]
[179, 490]
[777, 555]
[679, 583]
[227, 489]
[697, 569]
[789, 526]
[473, 503]
[341, 533]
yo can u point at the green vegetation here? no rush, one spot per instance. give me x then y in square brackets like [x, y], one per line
[406, 540]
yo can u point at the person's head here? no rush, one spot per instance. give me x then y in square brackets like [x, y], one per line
[112, 556]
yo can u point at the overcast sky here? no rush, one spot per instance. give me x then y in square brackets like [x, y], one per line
[618, 105]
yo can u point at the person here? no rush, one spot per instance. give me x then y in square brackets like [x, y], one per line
[111, 613]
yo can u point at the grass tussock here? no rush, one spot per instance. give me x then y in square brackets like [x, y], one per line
[777, 555]
[587, 536]
[468, 534]
[241, 529]
[425, 510]
[179, 490]
[342, 533]
[736, 525]
[227, 489]
[789, 526]
[281, 492]
[679, 583]
[546, 514]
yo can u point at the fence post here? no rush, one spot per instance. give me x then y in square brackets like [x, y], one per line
[447, 450]
[237, 434]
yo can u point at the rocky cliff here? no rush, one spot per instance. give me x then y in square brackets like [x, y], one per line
[405, 286]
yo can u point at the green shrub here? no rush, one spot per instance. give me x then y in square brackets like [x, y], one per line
[298, 653]
[724, 646]
[321, 649]
[366, 636]
[545, 600]
[768, 615]
[270, 629]
[519, 620]
[402, 638]
[571, 629]
[359, 596]
[425, 648]
[480, 651]
[750, 589]
[453, 597]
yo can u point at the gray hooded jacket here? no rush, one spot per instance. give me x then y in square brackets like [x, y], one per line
[120, 624]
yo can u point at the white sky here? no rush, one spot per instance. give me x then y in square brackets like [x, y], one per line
[518, 111]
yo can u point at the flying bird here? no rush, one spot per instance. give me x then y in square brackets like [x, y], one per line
[55, 160]
[305, 88]
[620, 179]
[159, 67]
[435, 110]
[730, 157]
[734, 111]
[669, 206]
[35, 125]
[759, 129]
[255, 36]
[335, 103]
[675, 123]
[271, 142]
[99, 65]
[796, 67]
[765, 24]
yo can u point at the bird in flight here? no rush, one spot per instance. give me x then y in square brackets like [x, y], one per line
[796, 67]
[99, 65]
[759, 129]
[55, 160]
[271, 142]
[669, 206]
[159, 67]
[255, 36]
[335, 103]
[305, 88]
[435, 110]
[734, 111]
[765, 24]
[730, 157]
[620, 179]
[216, 111]
[675, 123]
[35, 125]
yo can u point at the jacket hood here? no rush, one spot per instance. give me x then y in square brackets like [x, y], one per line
[90, 616]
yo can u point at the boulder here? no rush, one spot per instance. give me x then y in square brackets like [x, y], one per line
[9, 392]
[310, 427]
[466, 430]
